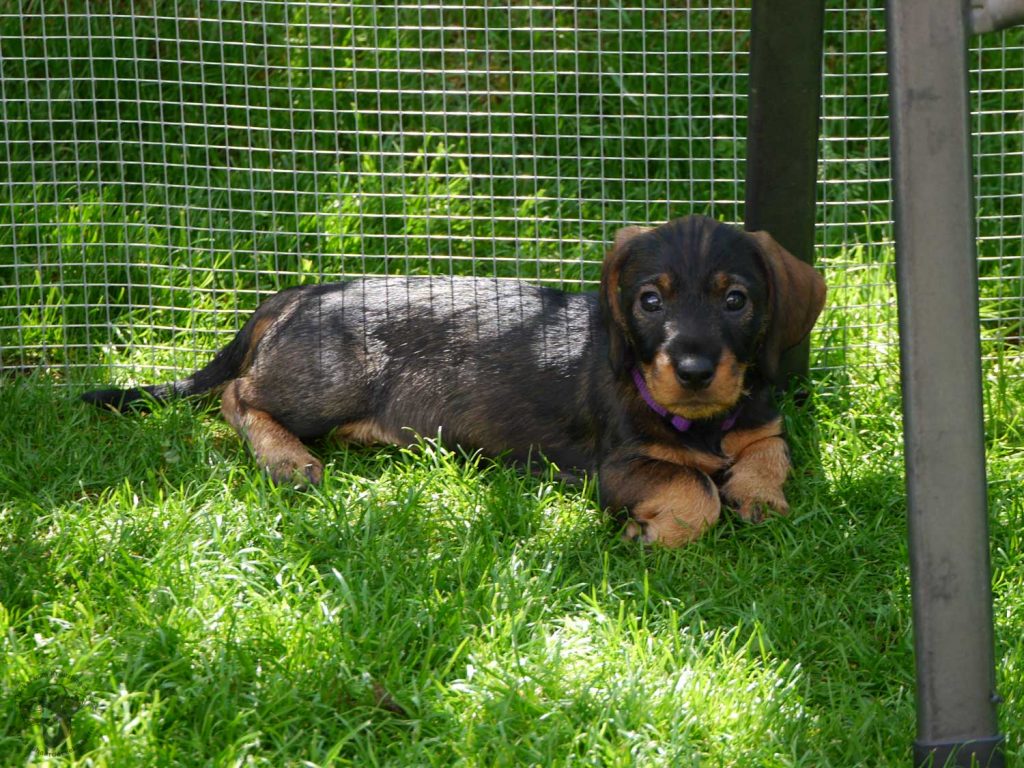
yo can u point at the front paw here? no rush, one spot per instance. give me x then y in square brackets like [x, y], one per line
[676, 513]
[754, 501]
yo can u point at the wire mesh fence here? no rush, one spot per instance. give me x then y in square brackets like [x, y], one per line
[165, 164]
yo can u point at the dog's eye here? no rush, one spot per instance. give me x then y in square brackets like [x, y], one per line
[735, 300]
[650, 301]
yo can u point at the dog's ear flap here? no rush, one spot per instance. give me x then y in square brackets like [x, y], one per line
[797, 294]
[611, 300]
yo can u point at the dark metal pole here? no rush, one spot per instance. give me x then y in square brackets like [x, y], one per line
[782, 131]
[942, 397]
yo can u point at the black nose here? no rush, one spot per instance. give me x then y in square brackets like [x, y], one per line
[695, 371]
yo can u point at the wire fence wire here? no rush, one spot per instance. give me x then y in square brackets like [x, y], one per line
[165, 164]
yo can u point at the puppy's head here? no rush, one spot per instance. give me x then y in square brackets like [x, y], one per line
[694, 304]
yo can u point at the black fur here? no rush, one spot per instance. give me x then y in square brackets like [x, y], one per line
[513, 369]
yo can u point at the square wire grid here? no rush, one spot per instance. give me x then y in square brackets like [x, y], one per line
[167, 164]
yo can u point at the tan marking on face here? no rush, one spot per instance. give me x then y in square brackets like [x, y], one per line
[719, 397]
[366, 432]
[707, 463]
[663, 283]
[278, 451]
[677, 511]
[661, 380]
[756, 479]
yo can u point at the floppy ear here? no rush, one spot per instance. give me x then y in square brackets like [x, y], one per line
[611, 302]
[797, 294]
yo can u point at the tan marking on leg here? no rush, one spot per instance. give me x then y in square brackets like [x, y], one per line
[277, 450]
[756, 479]
[734, 442]
[677, 511]
[367, 432]
[668, 503]
[707, 463]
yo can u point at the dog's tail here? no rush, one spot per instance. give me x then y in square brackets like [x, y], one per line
[226, 365]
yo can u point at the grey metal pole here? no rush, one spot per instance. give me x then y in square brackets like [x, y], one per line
[786, 41]
[942, 397]
[990, 15]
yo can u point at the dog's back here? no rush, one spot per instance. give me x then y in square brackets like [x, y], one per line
[496, 365]
[493, 364]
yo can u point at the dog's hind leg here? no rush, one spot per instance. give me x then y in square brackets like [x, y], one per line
[278, 451]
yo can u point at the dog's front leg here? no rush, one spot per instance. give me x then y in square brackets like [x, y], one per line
[669, 504]
[761, 464]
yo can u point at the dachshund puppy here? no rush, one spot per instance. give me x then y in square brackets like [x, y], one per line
[660, 382]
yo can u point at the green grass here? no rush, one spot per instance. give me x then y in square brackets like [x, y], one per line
[162, 604]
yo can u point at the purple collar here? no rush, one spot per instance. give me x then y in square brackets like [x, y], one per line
[680, 424]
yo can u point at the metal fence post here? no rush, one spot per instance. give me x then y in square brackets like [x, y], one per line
[942, 397]
[786, 40]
